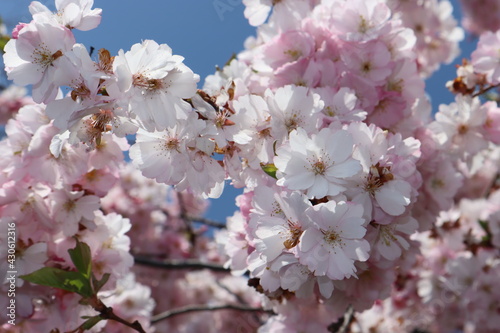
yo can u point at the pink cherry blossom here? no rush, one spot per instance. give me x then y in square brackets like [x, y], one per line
[70, 207]
[485, 57]
[37, 59]
[360, 20]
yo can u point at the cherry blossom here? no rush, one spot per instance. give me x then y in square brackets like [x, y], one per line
[73, 14]
[314, 165]
[70, 208]
[276, 234]
[335, 241]
[479, 19]
[154, 83]
[485, 57]
[33, 58]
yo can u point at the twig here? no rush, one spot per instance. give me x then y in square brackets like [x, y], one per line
[210, 223]
[484, 90]
[202, 307]
[342, 325]
[180, 264]
[187, 222]
[106, 313]
[240, 299]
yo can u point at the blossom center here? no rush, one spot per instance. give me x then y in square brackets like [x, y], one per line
[363, 25]
[80, 90]
[377, 177]
[69, 205]
[387, 234]
[437, 183]
[319, 168]
[330, 111]
[366, 67]
[463, 129]
[141, 81]
[266, 132]
[332, 238]
[319, 165]
[43, 57]
[92, 176]
[172, 143]
[294, 54]
[293, 122]
[295, 231]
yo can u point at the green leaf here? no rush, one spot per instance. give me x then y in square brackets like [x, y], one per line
[270, 169]
[484, 225]
[98, 284]
[82, 258]
[91, 322]
[3, 41]
[58, 278]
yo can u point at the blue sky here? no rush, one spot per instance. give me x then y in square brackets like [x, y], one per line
[205, 32]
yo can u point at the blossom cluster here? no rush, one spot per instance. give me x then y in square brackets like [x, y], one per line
[480, 16]
[452, 286]
[353, 192]
[52, 194]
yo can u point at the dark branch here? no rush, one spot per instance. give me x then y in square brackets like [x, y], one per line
[189, 227]
[106, 313]
[180, 264]
[484, 90]
[210, 223]
[198, 308]
[342, 325]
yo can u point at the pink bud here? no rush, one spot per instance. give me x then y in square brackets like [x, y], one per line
[17, 29]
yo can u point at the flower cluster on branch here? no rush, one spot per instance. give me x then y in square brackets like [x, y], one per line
[361, 211]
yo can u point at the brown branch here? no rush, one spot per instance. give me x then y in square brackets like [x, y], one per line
[240, 299]
[180, 264]
[484, 90]
[110, 315]
[202, 307]
[106, 313]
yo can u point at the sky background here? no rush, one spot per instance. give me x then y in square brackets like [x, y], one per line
[205, 32]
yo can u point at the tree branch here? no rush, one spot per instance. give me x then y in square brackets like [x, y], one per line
[187, 223]
[484, 90]
[180, 264]
[342, 325]
[210, 223]
[202, 307]
[106, 313]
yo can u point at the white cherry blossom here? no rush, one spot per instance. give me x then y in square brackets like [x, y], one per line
[317, 165]
[154, 83]
[334, 242]
[73, 14]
